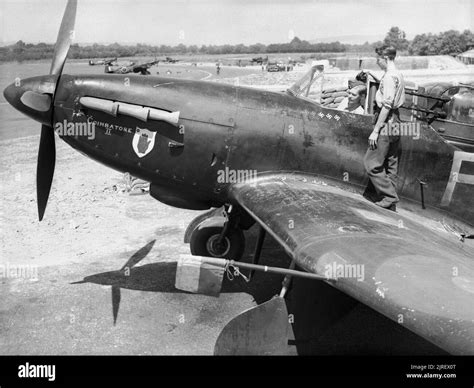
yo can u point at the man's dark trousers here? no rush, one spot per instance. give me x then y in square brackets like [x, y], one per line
[381, 163]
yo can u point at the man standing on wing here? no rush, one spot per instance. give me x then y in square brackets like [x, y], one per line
[381, 159]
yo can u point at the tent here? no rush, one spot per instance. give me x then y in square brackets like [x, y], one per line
[467, 57]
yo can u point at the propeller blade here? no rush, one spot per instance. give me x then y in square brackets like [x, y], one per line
[138, 256]
[37, 101]
[45, 168]
[65, 37]
[115, 302]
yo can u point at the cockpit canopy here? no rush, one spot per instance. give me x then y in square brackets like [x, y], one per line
[307, 86]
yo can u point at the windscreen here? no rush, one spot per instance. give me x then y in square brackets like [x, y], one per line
[309, 86]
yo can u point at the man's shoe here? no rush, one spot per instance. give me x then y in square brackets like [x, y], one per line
[387, 205]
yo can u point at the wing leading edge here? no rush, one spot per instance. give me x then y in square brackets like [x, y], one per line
[419, 276]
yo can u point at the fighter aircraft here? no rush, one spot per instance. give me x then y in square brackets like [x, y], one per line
[288, 164]
[260, 60]
[106, 62]
[449, 107]
[171, 60]
[141, 68]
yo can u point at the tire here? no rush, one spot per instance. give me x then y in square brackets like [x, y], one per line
[204, 243]
[197, 221]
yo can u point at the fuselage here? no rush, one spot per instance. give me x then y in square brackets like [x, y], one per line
[228, 131]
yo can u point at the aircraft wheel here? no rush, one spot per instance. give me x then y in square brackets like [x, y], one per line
[199, 219]
[205, 242]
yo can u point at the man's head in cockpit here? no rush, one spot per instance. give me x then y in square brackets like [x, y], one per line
[356, 97]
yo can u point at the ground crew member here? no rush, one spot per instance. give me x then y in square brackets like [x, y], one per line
[381, 159]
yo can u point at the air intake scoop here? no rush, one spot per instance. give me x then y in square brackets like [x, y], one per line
[142, 113]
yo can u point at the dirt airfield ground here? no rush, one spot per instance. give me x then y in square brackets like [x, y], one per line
[67, 301]
[91, 230]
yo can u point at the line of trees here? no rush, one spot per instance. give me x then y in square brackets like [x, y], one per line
[445, 43]
[27, 51]
[448, 42]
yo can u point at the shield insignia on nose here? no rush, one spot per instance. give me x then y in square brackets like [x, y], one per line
[143, 141]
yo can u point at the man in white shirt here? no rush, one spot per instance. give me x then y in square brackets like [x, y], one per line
[355, 101]
[381, 159]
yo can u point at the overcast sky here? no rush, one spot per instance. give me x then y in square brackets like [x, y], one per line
[230, 21]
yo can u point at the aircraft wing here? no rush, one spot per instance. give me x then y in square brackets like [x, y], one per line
[412, 271]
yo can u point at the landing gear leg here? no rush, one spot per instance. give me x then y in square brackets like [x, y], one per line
[286, 281]
[258, 249]
[219, 237]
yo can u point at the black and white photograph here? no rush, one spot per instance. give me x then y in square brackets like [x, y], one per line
[226, 178]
